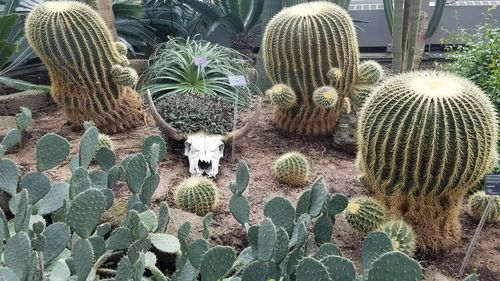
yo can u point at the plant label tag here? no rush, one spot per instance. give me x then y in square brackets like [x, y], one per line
[200, 60]
[237, 81]
[492, 184]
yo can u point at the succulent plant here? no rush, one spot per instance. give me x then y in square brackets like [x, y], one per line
[361, 93]
[365, 214]
[477, 205]
[325, 97]
[197, 195]
[292, 168]
[418, 150]
[304, 66]
[402, 236]
[91, 77]
[282, 95]
[105, 141]
[370, 72]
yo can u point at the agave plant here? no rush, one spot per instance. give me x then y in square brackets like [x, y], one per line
[239, 18]
[171, 71]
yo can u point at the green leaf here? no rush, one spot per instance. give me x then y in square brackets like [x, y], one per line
[267, 240]
[240, 208]
[83, 256]
[22, 85]
[37, 184]
[165, 242]
[17, 253]
[317, 197]
[86, 211]
[12, 138]
[51, 150]
[137, 171]
[23, 118]
[310, 269]
[217, 263]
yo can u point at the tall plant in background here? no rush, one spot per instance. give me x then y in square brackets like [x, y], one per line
[239, 18]
[410, 28]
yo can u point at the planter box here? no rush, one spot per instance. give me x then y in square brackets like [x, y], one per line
[34, 100]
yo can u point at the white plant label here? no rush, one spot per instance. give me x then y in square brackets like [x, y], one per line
[492, 184]
[237, 80]
[200, 60]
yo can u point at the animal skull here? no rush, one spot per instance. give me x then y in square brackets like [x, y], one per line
[203, 150]
[204, 153]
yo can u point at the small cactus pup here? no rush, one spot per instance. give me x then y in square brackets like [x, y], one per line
[477, 204]
[402, 236]
[90, 74]
[419, 151]
[306, 47]
[293, 169]
[365, 214]
[282, 96]
[198, 195]
[105, 141]
[370, 73]
[326, 97]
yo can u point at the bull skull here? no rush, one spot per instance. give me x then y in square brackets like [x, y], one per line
[203, 150]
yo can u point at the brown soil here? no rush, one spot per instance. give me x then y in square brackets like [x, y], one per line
[260, 149]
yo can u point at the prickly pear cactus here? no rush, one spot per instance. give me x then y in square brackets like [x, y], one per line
[293, 169]
[197, 195]
[365, 214]
[402, 236]
[301, 45]
[477, 204]
[91, 77]
[419, 152]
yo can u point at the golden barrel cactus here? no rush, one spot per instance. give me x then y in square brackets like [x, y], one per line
[90, 74]
[425, 138]
[306, 47]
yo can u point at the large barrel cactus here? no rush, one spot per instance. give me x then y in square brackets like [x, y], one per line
[306, 47]
[90, 74]
[425, 138]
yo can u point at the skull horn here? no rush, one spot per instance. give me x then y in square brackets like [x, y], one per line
[243, 131]
[164, 126]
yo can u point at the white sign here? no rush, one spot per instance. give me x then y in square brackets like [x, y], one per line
[199, 60]
[237, 81]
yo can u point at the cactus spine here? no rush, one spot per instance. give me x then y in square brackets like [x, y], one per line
[477, 204]
[91, 77]
[105, 141]
[402, 236]
[419, 152]
[197, 195]
[292, 168]
[301, 45]
[365, 214]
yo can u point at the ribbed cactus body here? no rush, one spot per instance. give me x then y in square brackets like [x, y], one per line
[282, 96]
[361, 93]
[197, 195]
[402, 236]
[424, 139]
[370, 72]
[90, 75]
[365, 214]
[301, 45]
[477, 204]
[292, 168]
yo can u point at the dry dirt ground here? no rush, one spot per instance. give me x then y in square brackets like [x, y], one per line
[260, 149]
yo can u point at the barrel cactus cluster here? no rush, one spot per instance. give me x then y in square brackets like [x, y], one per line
[90, 74]
[419, 150]
[477, 205]
[365, 214]
[197, 195]
[292, 168]
[310, 53]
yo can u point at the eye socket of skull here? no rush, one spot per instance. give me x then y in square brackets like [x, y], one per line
[187, 147]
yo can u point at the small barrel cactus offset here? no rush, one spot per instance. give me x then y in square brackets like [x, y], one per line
[402, 236]
[301, 46]
[365, 214]
[91, 77]
[370, 72]
[105, 141]
[197, 195]
[477, 204]
[292, 168]
[419, 150]
[325, 97]
[282, 96]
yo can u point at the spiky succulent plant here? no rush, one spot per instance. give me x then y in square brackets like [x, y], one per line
[282, 95]
[361, 93]
[365, 214]
[305, 63]
[198, 195]
[370, 72]
[292, 168]
[325, 97]
[477, 204]
[402, 236]
[105, 141]
[419, 150]
[91, 77]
